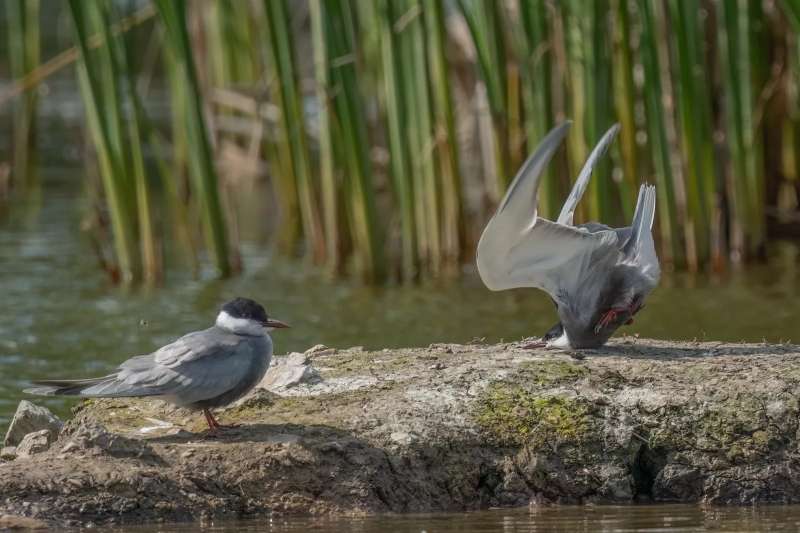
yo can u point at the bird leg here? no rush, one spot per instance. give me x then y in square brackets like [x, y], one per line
[213, 425]
[607, 318]
[611, 315]
[210, 420]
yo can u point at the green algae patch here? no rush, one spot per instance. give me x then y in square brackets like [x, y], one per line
[551, 373]
[117, 415]
[738, 429]
[515, 416]
[741, 428]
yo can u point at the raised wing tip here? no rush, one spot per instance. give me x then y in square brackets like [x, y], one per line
[566, 124]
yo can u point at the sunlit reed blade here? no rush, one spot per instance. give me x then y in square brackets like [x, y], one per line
[483, 18]
[173, 16]
[329, 184]
[292, 133]
[396, 118]
[625, 99]
[444, 133]
[656, 117]
[535, 50]
[100, 96]
[347, 117]
[23, 58]
[695, 125]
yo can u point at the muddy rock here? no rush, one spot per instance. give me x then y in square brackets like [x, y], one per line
[29, 418]
[36, 442]
[492, 425]
[20, 523]
[8, 453]
[94, 438]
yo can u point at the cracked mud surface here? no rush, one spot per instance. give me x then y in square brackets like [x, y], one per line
[448, 427]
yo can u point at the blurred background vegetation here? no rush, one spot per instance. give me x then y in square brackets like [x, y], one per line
[381, 134]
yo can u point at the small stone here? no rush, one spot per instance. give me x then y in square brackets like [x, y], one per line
[440, 346]
[8, 453]
[13, 522]
[436, 366]
[289, 371]
[332, 446]
[401, 437]
[30, 418]
[75, 482]
[776, 409]
[296, 358]
[69, 447]
[320, 349]
[36, 442]
[178, 432]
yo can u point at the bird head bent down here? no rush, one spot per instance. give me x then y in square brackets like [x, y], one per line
[589, 320]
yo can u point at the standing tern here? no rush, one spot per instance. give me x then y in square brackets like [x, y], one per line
[200, 371]
[597, 276]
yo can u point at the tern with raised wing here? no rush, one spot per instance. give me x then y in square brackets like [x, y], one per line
[597, 276]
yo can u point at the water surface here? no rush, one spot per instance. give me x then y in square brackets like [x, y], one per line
[564, 518]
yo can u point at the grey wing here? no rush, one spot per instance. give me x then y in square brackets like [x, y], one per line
[555, 258]
[519, 249]
[198, 366]
[521, 194]
[568, 210]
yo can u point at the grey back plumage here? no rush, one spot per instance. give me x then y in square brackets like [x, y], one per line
[206, 368]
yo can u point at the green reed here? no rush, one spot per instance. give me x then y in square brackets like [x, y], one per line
[24, 57]
[189, 100]
[347, 118]
[98, 77]
[292, 145]
[367, 150]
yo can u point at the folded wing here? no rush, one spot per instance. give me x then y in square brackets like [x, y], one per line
[197, 366]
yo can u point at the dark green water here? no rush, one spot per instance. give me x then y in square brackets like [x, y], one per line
[60, 316]
[566, 519]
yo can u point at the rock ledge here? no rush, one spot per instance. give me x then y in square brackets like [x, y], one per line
[448, 427]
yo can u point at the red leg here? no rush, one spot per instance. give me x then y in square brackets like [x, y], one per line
[210, 420]
[607, 318]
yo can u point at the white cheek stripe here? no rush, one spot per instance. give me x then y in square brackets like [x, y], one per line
[239, 325]
[561, 342]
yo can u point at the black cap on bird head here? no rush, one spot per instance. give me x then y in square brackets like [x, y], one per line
[248, 309]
